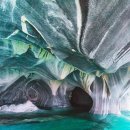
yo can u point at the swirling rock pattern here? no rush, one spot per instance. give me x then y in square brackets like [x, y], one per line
[15, 93]
[39, 93]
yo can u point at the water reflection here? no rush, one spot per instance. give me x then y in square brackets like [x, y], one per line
[63, 119]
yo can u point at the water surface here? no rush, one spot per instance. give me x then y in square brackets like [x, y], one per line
[63, 120]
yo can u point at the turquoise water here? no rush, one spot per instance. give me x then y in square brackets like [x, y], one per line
[63, 121]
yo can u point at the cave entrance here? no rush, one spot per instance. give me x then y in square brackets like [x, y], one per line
[81, 99]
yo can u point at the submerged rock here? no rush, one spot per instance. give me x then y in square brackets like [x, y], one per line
[25, 107]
